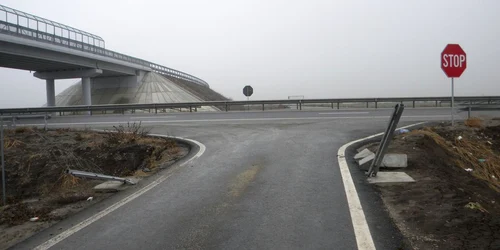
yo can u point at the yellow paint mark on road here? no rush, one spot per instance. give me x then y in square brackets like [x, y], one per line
[242, 181]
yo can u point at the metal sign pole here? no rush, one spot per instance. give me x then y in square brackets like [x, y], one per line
[2, 161]
[386, 139]
[452, 102]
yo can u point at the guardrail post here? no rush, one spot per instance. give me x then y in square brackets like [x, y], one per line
[226, 106]
[190, 109]
[156, 110]
[366, 104]
[300, 105]
[338, 105]
[376, 104]
[413, 104]
[297, 106]
[45, 121]
[436, 103]
[332, 105]
[195, 109]
[262, 106]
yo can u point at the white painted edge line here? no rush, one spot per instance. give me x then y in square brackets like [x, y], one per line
[236, 120]
[60, 237]
[362, 233]
[343, 113]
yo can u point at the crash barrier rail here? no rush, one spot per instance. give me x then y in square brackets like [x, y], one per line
[386, 140]
[90, 175]
[226, 105]
[470, 108]
[21, 24]
[13, 119]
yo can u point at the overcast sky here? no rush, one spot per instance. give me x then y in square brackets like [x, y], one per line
[319, 49]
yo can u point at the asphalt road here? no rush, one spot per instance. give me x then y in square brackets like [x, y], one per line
[267, 180]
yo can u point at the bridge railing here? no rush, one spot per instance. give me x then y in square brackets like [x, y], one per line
[260, 104]
[21, 24]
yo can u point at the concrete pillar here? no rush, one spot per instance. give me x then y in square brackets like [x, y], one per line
[51, 92]
[87, 91]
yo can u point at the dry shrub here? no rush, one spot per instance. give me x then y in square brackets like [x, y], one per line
[474, 122]
[21, 130]
[69, 181]
[126, 134]
[62, 130]
[83, 136]
[466, 153]
[12, 143]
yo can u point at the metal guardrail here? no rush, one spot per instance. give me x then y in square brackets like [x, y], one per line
[17, 23]
[487, 107]
[90, 175]
[226, 105]
[13, 119]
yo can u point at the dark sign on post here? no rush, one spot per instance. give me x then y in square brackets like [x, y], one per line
[248, 91]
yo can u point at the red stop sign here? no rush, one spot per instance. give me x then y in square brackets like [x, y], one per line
[453, 60]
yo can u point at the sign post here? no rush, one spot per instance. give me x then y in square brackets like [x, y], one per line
[248, 91]
[453, 63]
[2, 162]
[452, 102]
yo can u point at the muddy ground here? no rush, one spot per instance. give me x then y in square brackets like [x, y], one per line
[36, 161]
[455, 201]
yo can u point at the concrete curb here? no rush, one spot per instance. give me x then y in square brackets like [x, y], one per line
[378, 217]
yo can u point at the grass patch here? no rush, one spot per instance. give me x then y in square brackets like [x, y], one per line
[469, 153]
[474, 122]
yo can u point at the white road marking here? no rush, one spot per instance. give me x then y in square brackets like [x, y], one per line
[343, 113]
[362, 233]
[152, 117]
[235, 120]
[60, 237]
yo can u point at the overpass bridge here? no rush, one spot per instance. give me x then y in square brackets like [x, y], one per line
[57, 51]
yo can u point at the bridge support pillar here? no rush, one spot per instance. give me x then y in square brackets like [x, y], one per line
[86, 90]
[51, 92]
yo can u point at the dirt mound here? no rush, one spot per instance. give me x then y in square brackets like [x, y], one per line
[36, 162]
[454, 203]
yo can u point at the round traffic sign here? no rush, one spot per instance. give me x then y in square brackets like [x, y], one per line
[453, 60]
[248, 90]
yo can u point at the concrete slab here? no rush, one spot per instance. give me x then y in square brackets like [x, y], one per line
[366, 146]
[364, 153]
[362, 148]
[395, 161]
[110, 186]
[390, 177]
[364, 163]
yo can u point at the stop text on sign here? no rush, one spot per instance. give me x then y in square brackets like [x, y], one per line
[455, 61]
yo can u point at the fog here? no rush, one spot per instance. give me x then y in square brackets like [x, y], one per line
[318, 49]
